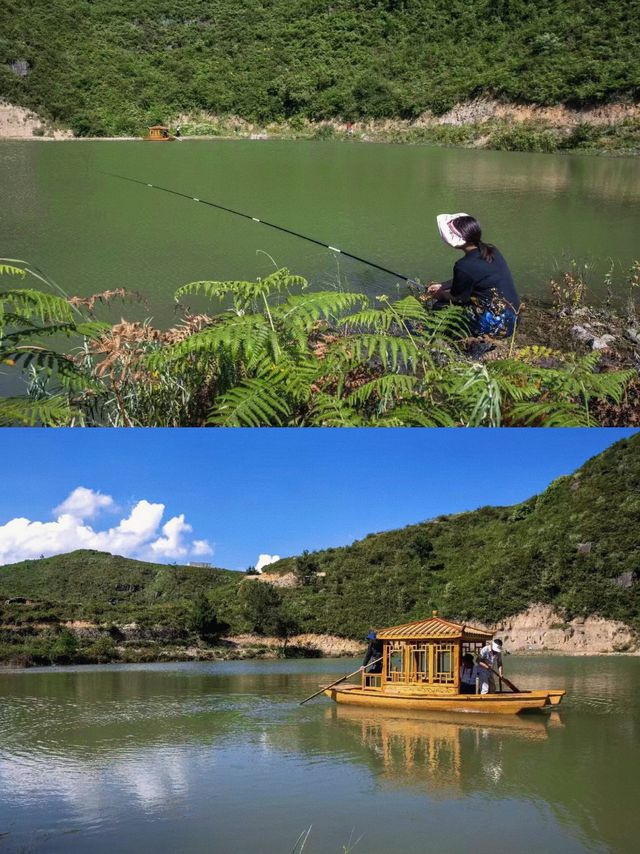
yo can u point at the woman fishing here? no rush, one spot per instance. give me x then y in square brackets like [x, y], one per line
[481, 280]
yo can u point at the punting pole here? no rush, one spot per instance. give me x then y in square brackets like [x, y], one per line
[337, 682]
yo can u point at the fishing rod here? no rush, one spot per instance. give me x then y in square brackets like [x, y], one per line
[407, 279]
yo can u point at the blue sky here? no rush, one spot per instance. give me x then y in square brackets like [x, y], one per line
[250, 492]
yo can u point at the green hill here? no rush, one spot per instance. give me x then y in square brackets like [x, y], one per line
[112, 66]
[575, 546]
[91, 585]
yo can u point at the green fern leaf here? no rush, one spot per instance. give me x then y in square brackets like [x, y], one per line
[330, 411]
[53, 412]
[306, 309]
[253, 403]
[387, 388]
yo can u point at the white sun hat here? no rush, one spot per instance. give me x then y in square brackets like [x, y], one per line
[448, 231]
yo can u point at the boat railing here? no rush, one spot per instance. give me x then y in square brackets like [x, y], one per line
[372, 680]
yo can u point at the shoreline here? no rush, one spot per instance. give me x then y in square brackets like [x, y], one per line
[484, 124]
[7, 666]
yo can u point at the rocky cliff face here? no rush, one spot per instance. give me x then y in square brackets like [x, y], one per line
[541, 629]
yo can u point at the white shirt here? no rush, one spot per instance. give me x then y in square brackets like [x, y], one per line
[490, 657]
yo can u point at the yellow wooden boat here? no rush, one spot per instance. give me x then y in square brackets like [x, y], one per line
[159, 133]
[421, 672]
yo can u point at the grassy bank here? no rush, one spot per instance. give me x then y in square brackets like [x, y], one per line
[507, 128]
[276, 353]
[41, 646]
[578, 135]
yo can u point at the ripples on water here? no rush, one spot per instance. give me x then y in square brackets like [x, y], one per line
[222, 758]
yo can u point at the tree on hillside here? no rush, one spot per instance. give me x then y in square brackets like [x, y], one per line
[65, 648]
[265, 611]
[306, 568]
[203, 619]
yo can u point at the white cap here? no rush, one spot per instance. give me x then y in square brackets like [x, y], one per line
[448, 231]
[496, 646]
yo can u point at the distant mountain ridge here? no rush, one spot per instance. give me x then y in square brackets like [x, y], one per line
[575, 547]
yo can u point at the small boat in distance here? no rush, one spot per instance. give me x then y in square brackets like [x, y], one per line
[159, 133]
[421, 671]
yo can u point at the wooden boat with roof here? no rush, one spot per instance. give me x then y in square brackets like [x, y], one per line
[159, 133]
[421, 671]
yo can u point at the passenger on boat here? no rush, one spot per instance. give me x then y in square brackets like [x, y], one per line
[374, 650]
[481, 280]
[469, 672]
[489, 659]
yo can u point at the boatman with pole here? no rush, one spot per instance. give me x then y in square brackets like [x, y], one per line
[373, 653]
[489, 659]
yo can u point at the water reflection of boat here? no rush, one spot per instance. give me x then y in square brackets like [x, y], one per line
[445, 754]
[420, 671]
[422, 723]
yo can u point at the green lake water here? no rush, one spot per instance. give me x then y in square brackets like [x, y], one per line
[221, 758]
[91, 232]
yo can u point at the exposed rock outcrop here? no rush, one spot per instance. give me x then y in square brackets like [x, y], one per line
[19, 123]
[541, 629]
[328, 645]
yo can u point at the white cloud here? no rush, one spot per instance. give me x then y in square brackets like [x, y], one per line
[84, 503]
[201, 548]
[137, 535]
[265, 560]
[171, 545]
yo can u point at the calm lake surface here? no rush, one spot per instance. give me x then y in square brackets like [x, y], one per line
[221, 758]
[91, 232]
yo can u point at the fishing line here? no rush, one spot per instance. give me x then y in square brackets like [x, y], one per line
[265, 222]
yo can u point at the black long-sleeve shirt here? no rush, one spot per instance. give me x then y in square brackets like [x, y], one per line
[374, 650]
[477, 280]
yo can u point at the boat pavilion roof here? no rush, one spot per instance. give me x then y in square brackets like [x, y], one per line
[434, 628]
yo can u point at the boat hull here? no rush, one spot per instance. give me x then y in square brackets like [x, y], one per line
[493, 704]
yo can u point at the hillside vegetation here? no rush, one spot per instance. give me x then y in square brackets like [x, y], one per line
[575, 546]
[112, 66]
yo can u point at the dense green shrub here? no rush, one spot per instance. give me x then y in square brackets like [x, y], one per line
[118, 65]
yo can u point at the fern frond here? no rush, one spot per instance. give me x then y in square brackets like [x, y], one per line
[517, 380]
[244, 293]
[389, 387]
[86, 330]
[392, 351]
[28, 305]
[549, 414]
[451, 322]
[372, 319]
[609, 384]
[330, 411]
[298, 375]
[53, 412]
[10, 270]
[51, 363]
[415, 415]
[238, 336]
[252, 403]
[306, 309]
